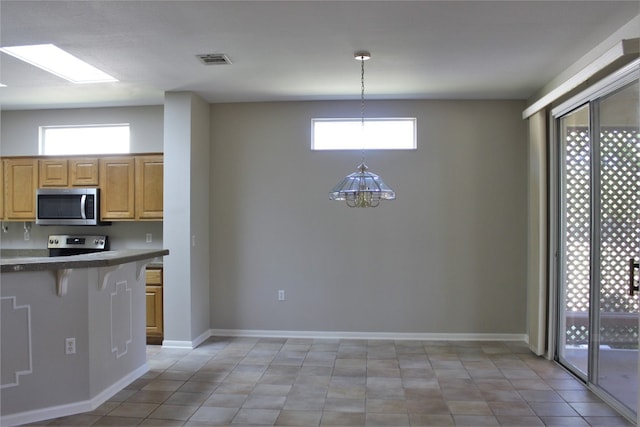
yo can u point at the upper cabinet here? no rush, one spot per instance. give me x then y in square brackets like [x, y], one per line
[149, 187]
[117, 191]
[20, 184]
[53, 172]
[131, 186]
[83, 172]
[1, 189]
[72, 172]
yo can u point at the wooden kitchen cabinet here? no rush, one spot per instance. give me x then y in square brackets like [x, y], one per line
[149, 187]
[117, 188]
[71, 172]
[153, 295]
[1, 190]
[20, 184]
[83, 172]
[53, 172]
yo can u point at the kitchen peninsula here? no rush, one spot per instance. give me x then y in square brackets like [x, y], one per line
[73, 331]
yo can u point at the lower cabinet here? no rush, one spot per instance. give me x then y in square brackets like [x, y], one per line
[153, 294]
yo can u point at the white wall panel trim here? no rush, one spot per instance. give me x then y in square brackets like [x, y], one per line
[17, 360]
[121, 318]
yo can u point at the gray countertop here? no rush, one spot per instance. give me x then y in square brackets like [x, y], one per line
[12, 263]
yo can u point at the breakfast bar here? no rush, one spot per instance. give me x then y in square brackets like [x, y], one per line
[73, 331]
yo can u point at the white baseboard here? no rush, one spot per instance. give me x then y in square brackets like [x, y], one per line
[67, 409]
[369, 335]
[188, 345]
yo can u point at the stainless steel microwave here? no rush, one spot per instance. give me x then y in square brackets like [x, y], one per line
[68, 206]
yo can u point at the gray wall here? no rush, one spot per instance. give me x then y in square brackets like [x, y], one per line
[19, 131]
[448, 256]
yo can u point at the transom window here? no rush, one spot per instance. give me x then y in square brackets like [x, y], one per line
[376, 134]
[85, 139]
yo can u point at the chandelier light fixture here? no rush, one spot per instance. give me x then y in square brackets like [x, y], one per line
[362, 189]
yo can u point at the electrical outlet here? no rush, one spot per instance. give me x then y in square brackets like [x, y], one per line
[281, 295]
[149, 237]
[70, 346]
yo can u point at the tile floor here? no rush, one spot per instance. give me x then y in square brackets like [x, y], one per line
[311, 382]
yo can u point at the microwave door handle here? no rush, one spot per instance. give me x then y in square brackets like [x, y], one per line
[83, 203]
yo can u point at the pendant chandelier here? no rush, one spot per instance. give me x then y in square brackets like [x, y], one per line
[362, 189]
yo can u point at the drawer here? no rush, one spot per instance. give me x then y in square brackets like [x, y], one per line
[154, 276]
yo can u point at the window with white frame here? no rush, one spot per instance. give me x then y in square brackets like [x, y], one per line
[84, 139]
[374, 134]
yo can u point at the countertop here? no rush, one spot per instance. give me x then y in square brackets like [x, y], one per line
[19, 263]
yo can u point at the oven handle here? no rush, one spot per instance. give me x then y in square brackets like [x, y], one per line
[83, 202]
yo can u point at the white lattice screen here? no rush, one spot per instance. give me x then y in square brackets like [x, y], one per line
[619, 231]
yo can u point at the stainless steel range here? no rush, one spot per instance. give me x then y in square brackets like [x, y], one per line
[65, 244]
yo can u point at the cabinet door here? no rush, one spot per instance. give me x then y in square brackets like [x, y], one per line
[2, 196]
[153, 296]
[149, 187]
[21, 181]
[83, 172]
[53, 173]
[117, 188]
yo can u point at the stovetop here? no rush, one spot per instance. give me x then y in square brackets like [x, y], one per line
[66, 244]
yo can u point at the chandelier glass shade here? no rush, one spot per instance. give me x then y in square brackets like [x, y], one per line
[362, 189]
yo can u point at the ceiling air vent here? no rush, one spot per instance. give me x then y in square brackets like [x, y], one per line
[214, 59]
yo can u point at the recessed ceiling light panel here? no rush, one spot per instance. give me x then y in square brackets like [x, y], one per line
[59, 62]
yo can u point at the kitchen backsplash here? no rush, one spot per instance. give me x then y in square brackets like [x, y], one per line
[122, 235]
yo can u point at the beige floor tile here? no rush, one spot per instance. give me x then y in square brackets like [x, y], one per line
[469, 407]
[475, 420]
[256, 416]
[344, 405]
[133, 410]
[421, 420]
[511, 408]
[428, 406]
[342, 418]
[304, 403]
[254, 401]
[379, 419]
[564, 422]
[346, 391]
[519, 421]
[118, 421]
[389, 406]
[173, 412]
[74, 420]
[163, 385]
[299, 418]
[225, 400]
[214, 416]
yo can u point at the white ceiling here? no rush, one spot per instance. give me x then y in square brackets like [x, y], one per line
[301, 50]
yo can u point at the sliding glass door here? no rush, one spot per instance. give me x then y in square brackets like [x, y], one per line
[616, 359]
[599, 241]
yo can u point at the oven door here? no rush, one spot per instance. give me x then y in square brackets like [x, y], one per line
[67, 206]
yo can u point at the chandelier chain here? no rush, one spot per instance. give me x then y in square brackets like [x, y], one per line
[362, 105]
